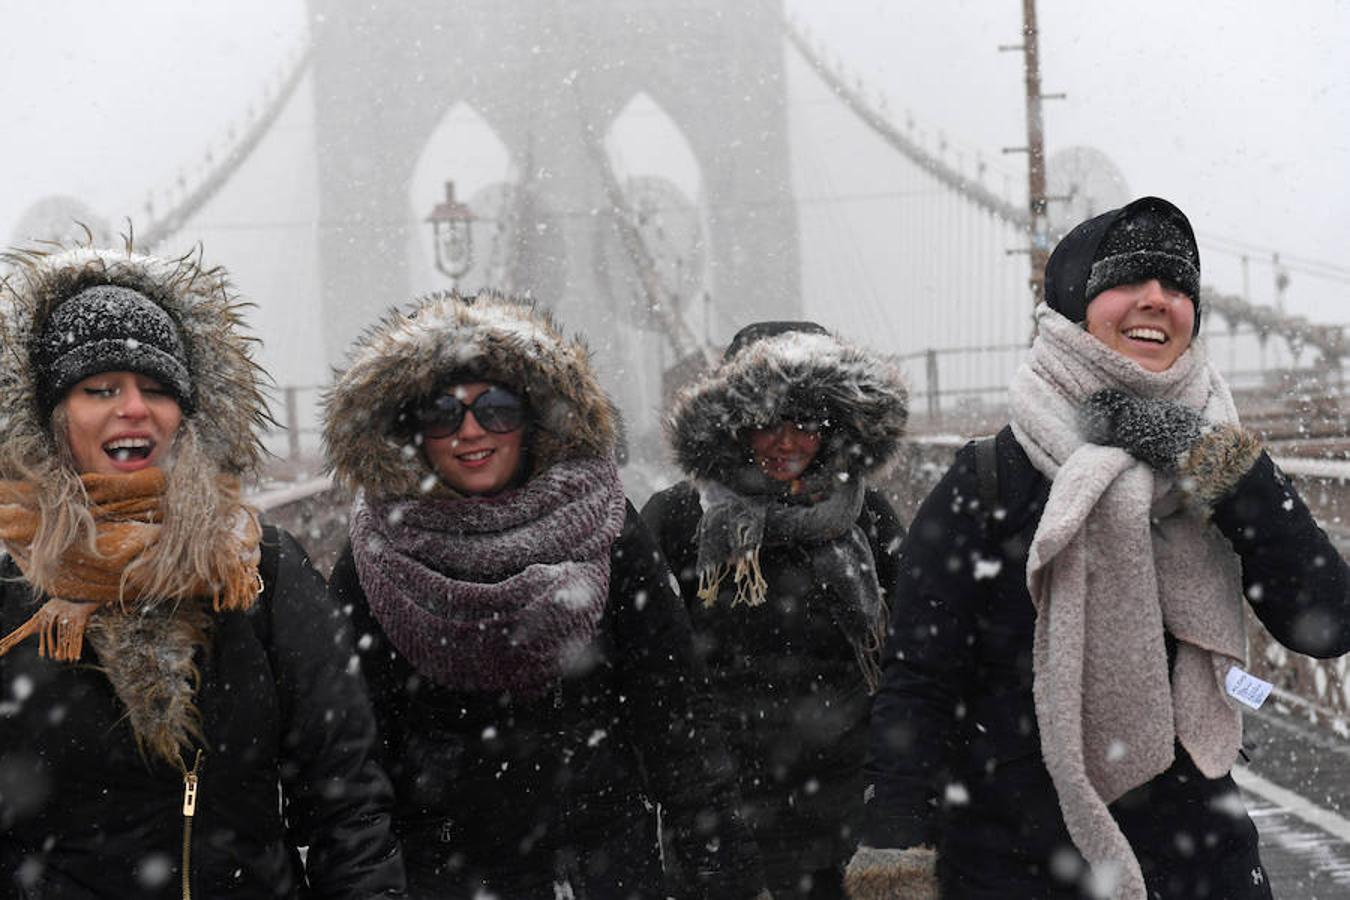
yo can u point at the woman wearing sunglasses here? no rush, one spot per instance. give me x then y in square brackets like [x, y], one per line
[785, 558]
[529, 661]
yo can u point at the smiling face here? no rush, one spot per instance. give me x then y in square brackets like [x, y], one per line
[119, 422]
[784, 452]
[1150, 322]
[473, 460]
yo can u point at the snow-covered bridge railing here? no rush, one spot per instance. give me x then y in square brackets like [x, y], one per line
[312, 509]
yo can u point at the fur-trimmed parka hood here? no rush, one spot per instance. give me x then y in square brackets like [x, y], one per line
[859, 398]
[410, 355]
[230, 409]
[146, 644]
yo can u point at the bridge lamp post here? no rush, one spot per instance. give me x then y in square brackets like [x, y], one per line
[452, 235]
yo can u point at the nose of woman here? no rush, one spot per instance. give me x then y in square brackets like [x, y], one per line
[131, 403]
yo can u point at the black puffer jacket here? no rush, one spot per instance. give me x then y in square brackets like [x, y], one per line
[787, 688]
[286, 762]
[956, 746]
[516, 794]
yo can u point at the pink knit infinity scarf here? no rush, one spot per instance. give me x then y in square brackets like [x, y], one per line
[1115, 561]
[499, 593]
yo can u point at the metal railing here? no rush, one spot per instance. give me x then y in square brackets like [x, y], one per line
[951, 385]
[296, 417]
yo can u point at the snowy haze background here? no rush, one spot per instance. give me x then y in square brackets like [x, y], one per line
[1237, 112]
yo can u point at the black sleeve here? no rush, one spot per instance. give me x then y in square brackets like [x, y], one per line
[379, 661]
[667, 713]
[1296, 581]
[336, 799]
[672, 517]
[925, 664]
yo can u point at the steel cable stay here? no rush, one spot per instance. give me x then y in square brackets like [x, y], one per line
[1298, 332]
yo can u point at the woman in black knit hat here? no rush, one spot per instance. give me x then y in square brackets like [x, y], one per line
[177, 711]
[1059, 713]
[785, 557]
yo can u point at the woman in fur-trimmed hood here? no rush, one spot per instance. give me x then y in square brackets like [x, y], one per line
[1070, 611]
[531, 667]
[784, 553]
[158, 642]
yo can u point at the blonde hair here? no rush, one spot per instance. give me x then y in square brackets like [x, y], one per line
[197, 540]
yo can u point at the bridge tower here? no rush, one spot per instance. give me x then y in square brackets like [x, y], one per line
[550, 76]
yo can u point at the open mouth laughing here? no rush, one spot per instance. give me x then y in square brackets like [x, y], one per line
[1146, 335]
[129, 451]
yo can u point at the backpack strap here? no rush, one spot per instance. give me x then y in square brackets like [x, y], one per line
[269, 549]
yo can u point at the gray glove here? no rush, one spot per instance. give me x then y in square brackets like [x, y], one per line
[1156, 432]
[1209, 460]
[885, 874]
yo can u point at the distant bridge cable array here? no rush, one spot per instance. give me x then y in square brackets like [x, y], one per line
[160, 228]
[1327, 340]
[856, 100]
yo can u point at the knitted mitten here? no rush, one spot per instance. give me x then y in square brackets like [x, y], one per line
[1155, 432]
[1209, 459]
[875, 874]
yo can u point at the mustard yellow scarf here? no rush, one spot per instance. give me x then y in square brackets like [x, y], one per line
[128, 514]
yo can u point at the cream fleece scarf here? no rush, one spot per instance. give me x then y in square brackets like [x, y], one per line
[1115, 561]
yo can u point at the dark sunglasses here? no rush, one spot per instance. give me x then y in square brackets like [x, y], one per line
[809, 424]
[496, 409]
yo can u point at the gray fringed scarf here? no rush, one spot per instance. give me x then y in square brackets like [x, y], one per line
[1115, 562]
[737, 523]
[499, 593]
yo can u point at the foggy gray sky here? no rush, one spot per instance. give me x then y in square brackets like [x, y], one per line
[1238, 112]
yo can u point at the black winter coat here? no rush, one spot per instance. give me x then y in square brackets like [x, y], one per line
[788, 690]
[514, 794]
[286, 763]
[956, 705]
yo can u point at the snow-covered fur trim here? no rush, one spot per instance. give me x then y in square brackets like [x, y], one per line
[877, 874]
[147, 654]
[444, 337]
[859, 396]
[149, 660]
[230, 408]
[1216, 463]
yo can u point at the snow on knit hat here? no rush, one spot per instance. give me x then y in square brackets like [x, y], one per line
[1151, 239]
[1147, 238]
[110, 328]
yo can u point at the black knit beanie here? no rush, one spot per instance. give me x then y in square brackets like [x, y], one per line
[109, 328]
[761, 330]
[1149, 238]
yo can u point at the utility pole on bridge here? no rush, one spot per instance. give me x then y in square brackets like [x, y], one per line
[1040, 223]
[1038, 226]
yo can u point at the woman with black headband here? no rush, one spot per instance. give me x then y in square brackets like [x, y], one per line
[1060, 705]
[531, 665]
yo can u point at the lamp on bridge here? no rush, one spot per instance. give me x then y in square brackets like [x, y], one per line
[452, 235]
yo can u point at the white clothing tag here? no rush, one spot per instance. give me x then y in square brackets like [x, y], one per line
[1246, 688]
